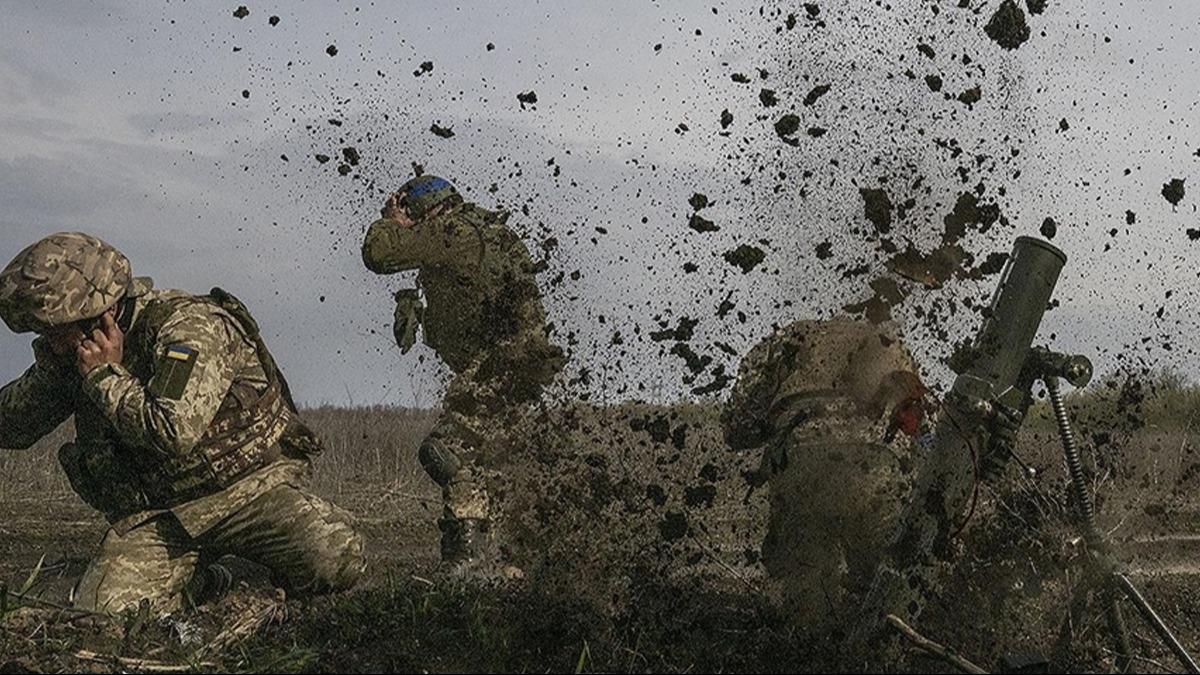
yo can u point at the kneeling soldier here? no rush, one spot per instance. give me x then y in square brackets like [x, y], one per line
[187, 438]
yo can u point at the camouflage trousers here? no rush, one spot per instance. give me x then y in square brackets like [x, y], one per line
[834, 503]
[472, 435]
[308, 544]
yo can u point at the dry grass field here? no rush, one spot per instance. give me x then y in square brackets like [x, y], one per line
[640, 543]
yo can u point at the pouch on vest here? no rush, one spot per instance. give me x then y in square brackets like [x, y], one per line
[299, 441]
[101, 479]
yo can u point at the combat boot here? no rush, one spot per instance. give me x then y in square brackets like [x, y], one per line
[465, 540]
[469, 548]
[210, 584]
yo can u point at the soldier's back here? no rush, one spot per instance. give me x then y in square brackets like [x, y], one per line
[819, 396]
[485, 296]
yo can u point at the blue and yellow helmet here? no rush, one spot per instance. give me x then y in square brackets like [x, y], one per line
[421, 194]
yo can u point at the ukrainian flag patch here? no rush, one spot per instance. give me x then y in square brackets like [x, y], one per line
[174, 371]
[180, 352]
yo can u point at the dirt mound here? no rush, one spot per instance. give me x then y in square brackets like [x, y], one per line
[664, 500]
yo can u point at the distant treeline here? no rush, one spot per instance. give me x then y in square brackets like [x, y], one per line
[1122, 401]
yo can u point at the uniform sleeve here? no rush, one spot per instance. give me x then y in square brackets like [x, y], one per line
[390, 248]
[32, 406]
[196, 356]
[746, 416]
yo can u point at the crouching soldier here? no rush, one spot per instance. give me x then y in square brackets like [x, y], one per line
[187, 438]
[483, 317]
[834, 405]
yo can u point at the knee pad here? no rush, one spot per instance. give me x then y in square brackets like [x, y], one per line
[342, 569]
[439, 461]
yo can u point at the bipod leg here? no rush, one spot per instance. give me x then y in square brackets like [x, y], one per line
[1116, 584]
[1094, 586]
[1126, 587]
[1087, 516]
[1117, 628]
[1073, 620]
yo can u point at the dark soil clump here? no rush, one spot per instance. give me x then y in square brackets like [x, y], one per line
[1008, 27]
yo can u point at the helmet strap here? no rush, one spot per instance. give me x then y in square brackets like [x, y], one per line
[125, 311]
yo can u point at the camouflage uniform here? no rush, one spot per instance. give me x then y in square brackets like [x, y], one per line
[485, 320]
[826, 400]
[191, 446]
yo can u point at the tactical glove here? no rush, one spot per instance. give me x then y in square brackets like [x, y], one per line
[410, 312]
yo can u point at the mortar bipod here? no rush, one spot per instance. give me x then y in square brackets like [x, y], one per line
[1078, 371]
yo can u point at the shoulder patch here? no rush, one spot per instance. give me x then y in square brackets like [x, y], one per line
[173, 372]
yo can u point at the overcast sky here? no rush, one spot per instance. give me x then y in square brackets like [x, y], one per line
[163, 128]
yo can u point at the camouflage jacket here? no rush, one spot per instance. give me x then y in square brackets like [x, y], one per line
[139, 413]
[822, 377]
[478, 279]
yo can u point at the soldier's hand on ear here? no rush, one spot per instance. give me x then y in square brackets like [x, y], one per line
[389, 207]
[106, 345]
[394, 210]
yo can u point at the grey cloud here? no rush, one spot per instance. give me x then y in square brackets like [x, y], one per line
[284, 235]
[37, 127]
[26, 81]
[43, 190]
[52, 15]
[181, 123]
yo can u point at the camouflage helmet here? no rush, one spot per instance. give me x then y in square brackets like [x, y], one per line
[421, 194]
[64, 278]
